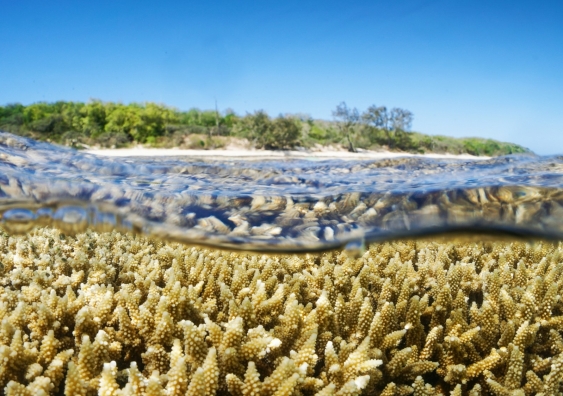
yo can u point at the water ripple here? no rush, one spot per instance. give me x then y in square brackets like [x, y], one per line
[282, 205]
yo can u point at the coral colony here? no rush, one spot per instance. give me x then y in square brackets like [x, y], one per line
[115, 314]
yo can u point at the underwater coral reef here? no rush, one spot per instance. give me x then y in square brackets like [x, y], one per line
[116, 314]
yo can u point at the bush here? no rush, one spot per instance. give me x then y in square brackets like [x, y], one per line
[116, 140]
[282, 133]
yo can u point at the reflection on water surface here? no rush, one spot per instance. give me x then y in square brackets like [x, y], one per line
[292, 205]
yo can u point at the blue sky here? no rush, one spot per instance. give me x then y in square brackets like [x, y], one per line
[464, 68]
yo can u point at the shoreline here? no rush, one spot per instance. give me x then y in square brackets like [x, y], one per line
[248, 154]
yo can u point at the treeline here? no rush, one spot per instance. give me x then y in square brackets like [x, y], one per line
[109, 124]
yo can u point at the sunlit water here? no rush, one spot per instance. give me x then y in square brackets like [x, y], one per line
[290, 205]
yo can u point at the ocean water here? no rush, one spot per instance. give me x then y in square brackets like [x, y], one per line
[286, 206]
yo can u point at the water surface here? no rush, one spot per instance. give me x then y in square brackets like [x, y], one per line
[282, 205]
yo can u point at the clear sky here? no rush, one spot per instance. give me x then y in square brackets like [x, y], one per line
[463, 67]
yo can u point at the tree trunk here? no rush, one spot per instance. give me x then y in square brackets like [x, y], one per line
[350, 145]
[216, 118]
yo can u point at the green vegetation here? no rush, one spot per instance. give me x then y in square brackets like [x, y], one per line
[109, 124]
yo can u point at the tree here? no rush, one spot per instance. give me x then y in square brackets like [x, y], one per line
[142, 122]
[253, 127]
[219, 128]
[123, 119]
[71, 115]
[282, 133]
[230, 118]
[346, 120]
[395, 123]
[12, 117]
[378, 118]
[401, 119]
[93, 118]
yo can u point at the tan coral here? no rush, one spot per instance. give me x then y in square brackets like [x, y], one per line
[408, 317]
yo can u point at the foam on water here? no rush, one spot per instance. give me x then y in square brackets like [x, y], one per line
[290, 205]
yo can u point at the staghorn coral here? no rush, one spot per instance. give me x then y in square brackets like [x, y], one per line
[115, 314]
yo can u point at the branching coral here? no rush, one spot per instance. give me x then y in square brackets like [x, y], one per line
[114, 314]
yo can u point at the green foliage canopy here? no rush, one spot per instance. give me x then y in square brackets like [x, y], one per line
[280, 133]
[111, 124]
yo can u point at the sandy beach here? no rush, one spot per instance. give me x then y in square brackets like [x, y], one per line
[266, 154]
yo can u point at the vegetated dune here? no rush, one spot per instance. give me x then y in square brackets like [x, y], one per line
[110, 124]
[115, 314]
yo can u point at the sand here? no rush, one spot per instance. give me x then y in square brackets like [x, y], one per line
[266, 154]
